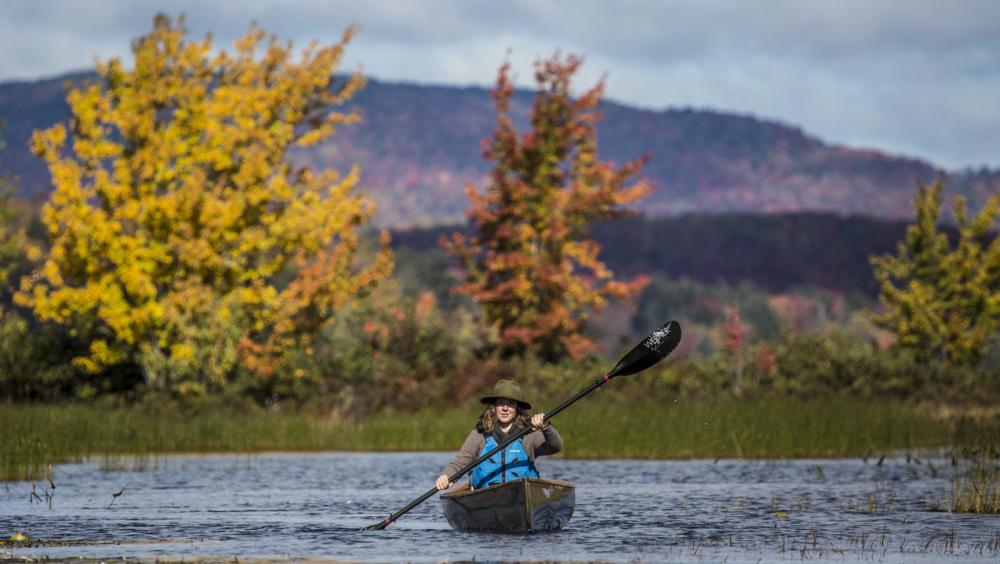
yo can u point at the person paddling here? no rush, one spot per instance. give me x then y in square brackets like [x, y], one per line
[506, 413]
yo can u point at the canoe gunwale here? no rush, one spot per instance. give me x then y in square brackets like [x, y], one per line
[466, 489]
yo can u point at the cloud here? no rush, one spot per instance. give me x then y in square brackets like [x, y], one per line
[913, 76]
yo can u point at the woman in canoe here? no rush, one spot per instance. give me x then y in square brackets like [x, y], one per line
[506, 413]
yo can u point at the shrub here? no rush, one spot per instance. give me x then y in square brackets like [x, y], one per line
[34, 364]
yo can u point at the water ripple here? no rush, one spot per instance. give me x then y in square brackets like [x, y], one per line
[312, 505]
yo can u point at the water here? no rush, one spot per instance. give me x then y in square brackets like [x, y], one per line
[312, 505]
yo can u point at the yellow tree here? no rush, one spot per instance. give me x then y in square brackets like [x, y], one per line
[177, 213]
[941, 301]
[532, 265]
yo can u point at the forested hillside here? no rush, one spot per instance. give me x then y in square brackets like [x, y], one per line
[774, 252]
[419, 145]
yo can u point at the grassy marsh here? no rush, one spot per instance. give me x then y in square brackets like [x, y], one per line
[975, 485]
[37, 435]
[763, 428]
[613, 427]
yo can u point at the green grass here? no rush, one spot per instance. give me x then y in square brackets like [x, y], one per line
[763, 428]
[33, 436]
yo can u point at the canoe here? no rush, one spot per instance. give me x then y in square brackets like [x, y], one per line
[520, 506]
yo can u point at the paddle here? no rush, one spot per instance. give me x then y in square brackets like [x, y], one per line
[647, 353]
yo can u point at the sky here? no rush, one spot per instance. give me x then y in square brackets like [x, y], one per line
[918, 78]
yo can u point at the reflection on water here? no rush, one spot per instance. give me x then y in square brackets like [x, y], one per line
[312, 505]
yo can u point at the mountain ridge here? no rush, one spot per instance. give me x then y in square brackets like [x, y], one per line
[418, 145]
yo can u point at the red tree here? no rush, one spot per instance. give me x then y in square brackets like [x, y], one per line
[733, 338]
[531, 265]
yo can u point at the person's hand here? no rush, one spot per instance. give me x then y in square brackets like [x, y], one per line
[538, 421]
[442, 482]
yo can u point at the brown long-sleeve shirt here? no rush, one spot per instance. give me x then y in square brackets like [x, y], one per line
[536, 443]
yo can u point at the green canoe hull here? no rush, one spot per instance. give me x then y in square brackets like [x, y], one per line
[523, 506]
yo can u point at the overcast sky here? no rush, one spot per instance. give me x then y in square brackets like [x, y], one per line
[912, 77]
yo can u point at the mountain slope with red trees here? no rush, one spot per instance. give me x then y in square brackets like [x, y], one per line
[419, 145]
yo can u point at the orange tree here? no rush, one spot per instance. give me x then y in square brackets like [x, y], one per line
[184, 239]
[532, 266]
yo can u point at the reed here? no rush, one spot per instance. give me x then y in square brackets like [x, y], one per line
[34, 436]
[757, 428]
[975, 485]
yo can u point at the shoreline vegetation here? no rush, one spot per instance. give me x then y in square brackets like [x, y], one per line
[36, 436]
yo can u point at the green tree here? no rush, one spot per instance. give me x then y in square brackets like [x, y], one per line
[15, 248]
[12, 247]
[176, 212]
[33, 363]
[532, 265]
[943, 300]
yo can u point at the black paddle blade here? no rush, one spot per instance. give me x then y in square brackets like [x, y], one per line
[376, 527]
[651, 350]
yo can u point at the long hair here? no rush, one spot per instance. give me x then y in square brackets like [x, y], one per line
[488, 420]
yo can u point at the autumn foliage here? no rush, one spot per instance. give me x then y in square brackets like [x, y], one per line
[183, 238]
[532, 266]
[943, 300]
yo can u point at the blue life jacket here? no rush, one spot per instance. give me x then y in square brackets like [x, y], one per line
[512, 463]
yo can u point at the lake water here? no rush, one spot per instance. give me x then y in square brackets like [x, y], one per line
[312, 505]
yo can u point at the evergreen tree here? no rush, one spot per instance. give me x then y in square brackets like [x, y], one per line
[941, 301]
[532, 265]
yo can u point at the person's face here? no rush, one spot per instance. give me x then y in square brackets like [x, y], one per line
[505, 409]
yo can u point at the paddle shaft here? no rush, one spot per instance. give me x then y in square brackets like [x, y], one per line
[651, 350]
[549, 415]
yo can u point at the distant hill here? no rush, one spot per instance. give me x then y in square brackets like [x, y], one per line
[777, 252]
[419, 145]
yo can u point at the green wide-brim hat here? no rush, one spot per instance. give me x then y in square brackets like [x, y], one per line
[507, 389]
